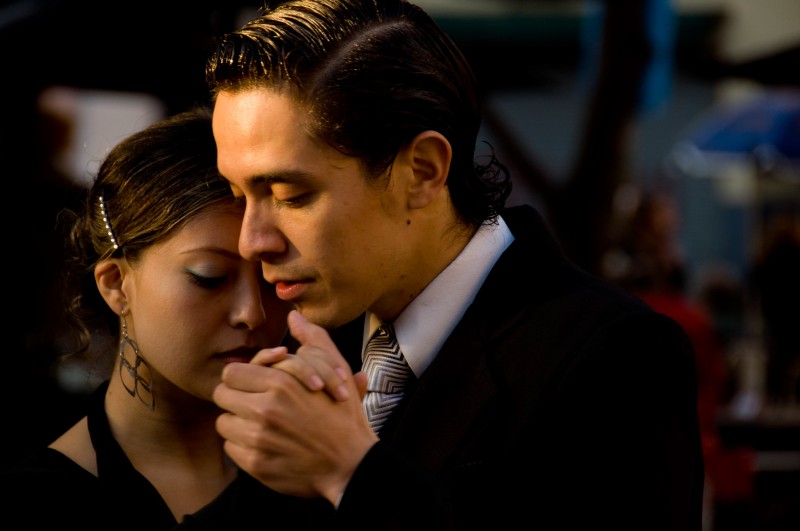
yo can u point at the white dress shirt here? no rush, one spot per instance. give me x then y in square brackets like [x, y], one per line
[427, 321]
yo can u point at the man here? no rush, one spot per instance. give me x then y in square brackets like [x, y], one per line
[540, 395]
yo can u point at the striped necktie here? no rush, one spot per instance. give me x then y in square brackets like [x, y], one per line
[387, 373]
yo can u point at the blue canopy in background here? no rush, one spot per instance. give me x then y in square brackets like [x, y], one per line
[766, 126]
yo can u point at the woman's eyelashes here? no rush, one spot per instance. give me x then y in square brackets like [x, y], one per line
[206, 281]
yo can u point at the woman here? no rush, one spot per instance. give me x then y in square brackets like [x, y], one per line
[154, 263]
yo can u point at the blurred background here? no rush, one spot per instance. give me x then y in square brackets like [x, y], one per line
[660, 138]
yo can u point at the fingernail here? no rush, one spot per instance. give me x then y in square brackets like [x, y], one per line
[342, 393]
[317, 383]
[341, 373]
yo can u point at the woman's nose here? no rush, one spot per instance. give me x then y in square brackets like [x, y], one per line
[249, 309]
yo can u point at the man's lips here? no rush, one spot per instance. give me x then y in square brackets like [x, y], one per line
[289, 290]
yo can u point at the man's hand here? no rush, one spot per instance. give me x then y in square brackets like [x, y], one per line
[319, 364]
[282, 430]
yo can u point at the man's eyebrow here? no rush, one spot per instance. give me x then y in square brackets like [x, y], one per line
[293, 176]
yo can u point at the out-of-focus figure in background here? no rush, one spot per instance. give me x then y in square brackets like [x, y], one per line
[776, 283]
[648, 260]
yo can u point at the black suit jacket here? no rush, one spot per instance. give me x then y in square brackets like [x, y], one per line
[558, 402]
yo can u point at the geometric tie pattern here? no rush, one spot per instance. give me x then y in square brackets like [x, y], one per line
[387, 373]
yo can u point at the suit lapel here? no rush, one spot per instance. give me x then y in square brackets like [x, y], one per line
[472, 366]
[445, 401]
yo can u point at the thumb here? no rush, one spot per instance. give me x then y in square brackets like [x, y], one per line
[361, 381]
[307, 333]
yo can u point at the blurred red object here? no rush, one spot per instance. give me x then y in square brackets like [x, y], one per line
[730, 471]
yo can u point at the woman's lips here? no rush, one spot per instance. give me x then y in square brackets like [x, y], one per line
[241, 355]
[234, 359]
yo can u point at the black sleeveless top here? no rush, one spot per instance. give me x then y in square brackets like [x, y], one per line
[49, 489]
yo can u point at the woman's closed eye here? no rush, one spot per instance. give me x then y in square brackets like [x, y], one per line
[207, 282]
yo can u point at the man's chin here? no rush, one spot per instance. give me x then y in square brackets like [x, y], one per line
[328, 317]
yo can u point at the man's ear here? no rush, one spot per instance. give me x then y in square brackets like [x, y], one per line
[428, 158]
[108, 275]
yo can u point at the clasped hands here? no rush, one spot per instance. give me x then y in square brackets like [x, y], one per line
[295, 421]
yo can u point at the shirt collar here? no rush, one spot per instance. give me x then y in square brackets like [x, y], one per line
[427, 321]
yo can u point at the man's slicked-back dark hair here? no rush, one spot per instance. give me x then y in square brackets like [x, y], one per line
[371, 74]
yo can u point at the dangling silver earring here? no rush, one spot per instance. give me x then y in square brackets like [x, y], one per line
[140, 384]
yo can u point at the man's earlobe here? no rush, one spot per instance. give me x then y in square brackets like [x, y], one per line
[430, 155]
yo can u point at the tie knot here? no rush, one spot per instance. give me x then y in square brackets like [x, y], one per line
[384, 364]
[382, 338]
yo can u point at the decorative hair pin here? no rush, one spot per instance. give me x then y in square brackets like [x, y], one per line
[107, 222]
